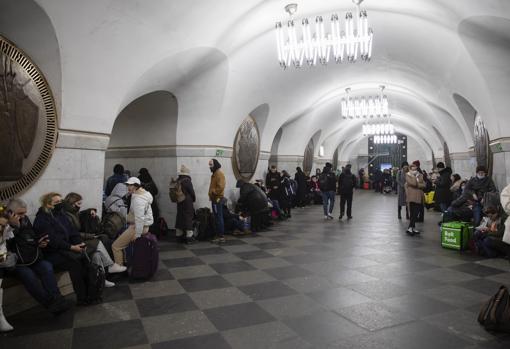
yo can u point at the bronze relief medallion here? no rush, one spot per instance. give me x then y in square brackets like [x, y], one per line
[28, 120]
[308, 158]
[246, 150]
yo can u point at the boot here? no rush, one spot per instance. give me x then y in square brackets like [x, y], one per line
[4, 325]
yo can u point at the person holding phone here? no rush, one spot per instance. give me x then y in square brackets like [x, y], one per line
[32, 269]
[65, 249]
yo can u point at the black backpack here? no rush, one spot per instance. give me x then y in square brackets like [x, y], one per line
[95, 278]
[89, 224]
[495, 314]
[203, 224]
[323, 181]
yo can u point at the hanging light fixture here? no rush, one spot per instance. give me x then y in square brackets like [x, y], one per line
[364, 107]
[385, 139]
[316, 46]
[385, 128]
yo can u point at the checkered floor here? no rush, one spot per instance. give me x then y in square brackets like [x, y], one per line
[307, 283]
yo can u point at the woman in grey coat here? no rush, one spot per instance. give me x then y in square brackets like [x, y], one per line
[401, 191]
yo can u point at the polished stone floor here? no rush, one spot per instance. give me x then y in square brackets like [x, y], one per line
[307, 283]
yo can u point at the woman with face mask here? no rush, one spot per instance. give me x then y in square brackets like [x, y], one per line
[414, 196]
[65, 247]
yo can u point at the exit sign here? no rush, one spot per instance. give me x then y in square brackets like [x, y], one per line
[219, 152]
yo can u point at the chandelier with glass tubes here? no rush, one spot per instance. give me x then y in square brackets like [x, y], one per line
[316, 46]
[385, 128]
[365, 107]
[385, 139]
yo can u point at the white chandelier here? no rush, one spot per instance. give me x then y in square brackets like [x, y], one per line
[385, 139]
[365, 107]
[386, 128]
[345, 44]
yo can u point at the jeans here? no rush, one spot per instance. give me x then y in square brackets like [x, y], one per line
[346, 198]
[217, 208]
[477, 213]
[328, 202]
[39, 280]
[101, 257]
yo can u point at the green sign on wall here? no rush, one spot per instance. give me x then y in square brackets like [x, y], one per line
[219, 152]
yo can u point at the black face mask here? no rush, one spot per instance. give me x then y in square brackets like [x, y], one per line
[211, 168]
[24, 222]
[58, 207]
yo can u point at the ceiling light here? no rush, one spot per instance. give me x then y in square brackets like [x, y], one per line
[364, 107]
[316, 45]
[385, 139]
[385, 128]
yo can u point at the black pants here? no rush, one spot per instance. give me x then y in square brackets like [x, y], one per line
[76, 267]
[414, 209]
[346, 198]
[421, 213]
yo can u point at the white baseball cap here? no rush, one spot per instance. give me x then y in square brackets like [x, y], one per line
[133, 180]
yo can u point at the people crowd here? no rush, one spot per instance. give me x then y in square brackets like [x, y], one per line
[66, 237]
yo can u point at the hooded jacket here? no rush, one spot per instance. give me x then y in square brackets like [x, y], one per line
[140, 212]
[443, 183]
[115, 202]
[217, 185]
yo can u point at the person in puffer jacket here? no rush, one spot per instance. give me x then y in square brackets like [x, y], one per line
[115, 202]
[139, 220]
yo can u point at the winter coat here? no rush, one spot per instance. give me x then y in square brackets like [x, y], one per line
[273, 185]
[443, 195]
[25, 243]
[60, 232]
[401, 189]
[346, 182]
[112, 181]
[414, 188]
[327, 180]
[140, 212]
[456, 190]
[505, 203]
[217, 186]
[185, 209]
[300, 178]
[480, 186]
[252, 199]
[115, 202]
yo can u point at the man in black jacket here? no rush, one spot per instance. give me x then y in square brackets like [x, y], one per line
[443, 195]
[327, 183]
[479, 185]
[346, 184]
[35, 273]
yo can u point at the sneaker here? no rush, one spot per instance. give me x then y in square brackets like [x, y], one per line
[330, 216]
[116, 268]
[341, 216]
[218, 240]
[326, 218]
[349, 217]
[416, 231]
[109, 284]
[410, 231]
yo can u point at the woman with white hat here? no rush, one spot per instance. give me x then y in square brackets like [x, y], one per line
[185, 210]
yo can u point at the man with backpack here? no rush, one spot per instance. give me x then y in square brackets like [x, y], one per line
[327, 183]
[346, 184]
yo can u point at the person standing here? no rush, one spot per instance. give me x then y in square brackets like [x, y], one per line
[273, 184]
[148, 184]
[302, 187]
[401, 190]
[428, 187]
[327, 183]
[216, 195]
[443, 195]
[414, 196]
[117, 177]
[346, 184]
[361, 174]
[185, 210]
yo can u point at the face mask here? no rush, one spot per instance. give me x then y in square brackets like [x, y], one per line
[480, 176]
[413, 172]
[58, 207]
[76, 208]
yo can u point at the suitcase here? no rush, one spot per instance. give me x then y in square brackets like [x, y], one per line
[456, 235]
[145, 258]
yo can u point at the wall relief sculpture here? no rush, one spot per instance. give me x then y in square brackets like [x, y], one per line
[308, 158]
[482, 144]
[246, 150]
[28, 120]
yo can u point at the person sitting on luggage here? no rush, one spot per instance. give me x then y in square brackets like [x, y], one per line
[65, 249]
[139, 220]
[95, 247]
[117, 200]
[488, 235]
[35, 272]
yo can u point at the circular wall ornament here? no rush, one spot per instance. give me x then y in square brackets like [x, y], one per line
[246, 150]
[28, 119]
[308, 158]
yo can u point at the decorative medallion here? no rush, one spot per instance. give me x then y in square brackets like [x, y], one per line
[482, 144]
[246, 150]
[28, 119]
[308, 158]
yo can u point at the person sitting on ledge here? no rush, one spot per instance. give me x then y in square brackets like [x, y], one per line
[488, 236]
[35, 272]
[65, 249]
